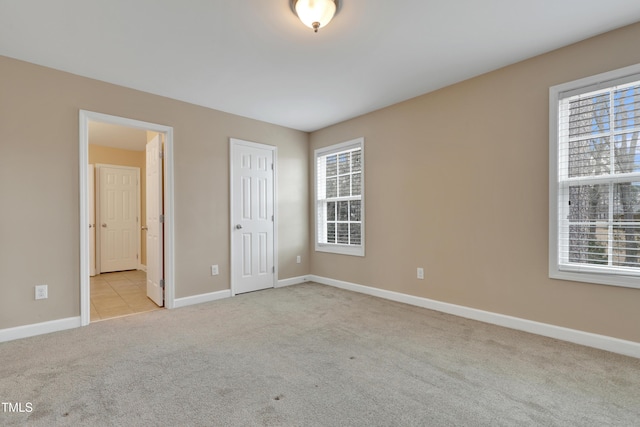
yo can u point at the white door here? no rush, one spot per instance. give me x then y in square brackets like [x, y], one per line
[91, 186]
[118, 211]
[252, 217]
[155, 253]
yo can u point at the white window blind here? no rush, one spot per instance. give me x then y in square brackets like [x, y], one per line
[598, 178]
[339, 198]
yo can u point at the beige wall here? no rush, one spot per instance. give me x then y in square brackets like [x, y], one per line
[39, 231]
[457, 183]
[116, 156]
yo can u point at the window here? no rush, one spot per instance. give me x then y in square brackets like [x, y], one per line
[340, 198]
[595, 179]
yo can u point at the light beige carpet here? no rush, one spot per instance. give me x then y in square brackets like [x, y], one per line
[311, 355]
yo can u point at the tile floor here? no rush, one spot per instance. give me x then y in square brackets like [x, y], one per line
[119, 294]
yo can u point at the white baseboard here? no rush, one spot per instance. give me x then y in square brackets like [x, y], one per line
[142, 267]
[292, 281]
[39, 328]
[199, 299]
[602, 342]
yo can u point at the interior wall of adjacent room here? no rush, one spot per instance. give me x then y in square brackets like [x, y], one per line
[40, 233]
[457, 182]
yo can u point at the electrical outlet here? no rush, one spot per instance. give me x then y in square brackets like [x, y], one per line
[214, 270]
[420, 273]
[42, 292]
[298, 259]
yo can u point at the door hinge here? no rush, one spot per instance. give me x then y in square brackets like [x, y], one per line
[273, 269]
[161, 218]
[272, 218]
[160, 154]
[137, 256]
[162, 283]
[272, 166]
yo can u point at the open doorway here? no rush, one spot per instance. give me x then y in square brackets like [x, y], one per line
[118, 220]
[126, 174]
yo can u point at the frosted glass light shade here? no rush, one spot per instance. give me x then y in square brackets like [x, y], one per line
[315, 13]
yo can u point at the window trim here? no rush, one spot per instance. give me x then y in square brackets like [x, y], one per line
[354, 250]
[578, 273]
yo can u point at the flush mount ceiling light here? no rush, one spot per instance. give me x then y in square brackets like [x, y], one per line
[315, 13]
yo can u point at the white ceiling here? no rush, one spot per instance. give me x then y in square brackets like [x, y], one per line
[254, 58]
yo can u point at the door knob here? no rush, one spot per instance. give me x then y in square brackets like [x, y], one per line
[143, 228]
[104, 225]
[238, 227]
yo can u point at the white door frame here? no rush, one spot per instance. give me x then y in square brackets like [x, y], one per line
[233, 142]
[169, 241]
[98, 201]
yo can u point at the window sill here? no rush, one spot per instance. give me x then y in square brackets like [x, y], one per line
[595, 277]
[340, 249]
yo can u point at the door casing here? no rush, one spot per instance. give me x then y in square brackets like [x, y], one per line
[169, 225]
